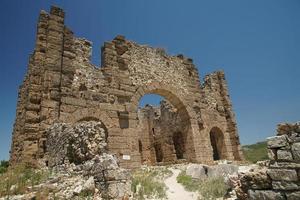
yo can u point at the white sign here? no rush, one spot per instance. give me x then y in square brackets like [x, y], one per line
[126, 157]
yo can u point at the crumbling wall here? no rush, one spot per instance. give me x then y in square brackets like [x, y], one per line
[62, 85]
[280, 179]
[219, 113]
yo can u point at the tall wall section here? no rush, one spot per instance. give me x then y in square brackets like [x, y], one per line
[61, 85]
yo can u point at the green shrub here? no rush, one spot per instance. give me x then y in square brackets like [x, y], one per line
[255, 152]
[210, 188]
[17, 179]
[148, 184]
[188, 182]
[3, 166]
[213, 188]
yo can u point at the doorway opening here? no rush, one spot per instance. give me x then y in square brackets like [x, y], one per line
[217, 143]
[178, 142]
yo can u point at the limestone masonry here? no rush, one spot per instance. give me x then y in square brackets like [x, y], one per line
[280, 178]
[196, 123]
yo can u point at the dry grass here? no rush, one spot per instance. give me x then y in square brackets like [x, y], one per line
[147, 183]
[210, 188]
[17, 180]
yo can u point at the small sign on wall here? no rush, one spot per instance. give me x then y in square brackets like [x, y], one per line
[126, 157]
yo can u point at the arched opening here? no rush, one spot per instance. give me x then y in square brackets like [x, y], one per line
[158, 152]
[141, 150]
[178, 142]
[217, 143]
[162, 130]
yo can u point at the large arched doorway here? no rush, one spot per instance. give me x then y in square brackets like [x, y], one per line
[217, 143]
[168, 133]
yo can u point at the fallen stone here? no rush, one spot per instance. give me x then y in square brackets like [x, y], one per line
[197, 171]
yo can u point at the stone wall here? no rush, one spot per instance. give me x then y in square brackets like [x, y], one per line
[280, 179]
[61, 85]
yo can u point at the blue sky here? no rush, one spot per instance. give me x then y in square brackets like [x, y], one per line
[256, 43]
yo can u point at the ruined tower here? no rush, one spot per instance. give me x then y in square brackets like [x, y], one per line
[61, 85]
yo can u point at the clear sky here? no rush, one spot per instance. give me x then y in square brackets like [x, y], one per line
[256, 43]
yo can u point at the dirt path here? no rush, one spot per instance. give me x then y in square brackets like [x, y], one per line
[176, 191]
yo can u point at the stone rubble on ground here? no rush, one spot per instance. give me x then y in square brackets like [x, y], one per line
[80, 169]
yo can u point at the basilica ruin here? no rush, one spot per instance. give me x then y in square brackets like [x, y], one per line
[195, 122]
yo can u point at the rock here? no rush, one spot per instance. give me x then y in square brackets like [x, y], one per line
[197, 171]
[89, 185]
[284, 155]
[283, 174]
[222, 170]
[75, 143]
[285, 185]
[78, 189]
[256, 179]
[293, 195]
[277, 141]
[272, 154]
[287, 128]
[265, 195]
[296, 151]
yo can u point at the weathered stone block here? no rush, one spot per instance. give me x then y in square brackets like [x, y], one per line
[293, 195]
[285, 185]
[265, 194]
[272, 154]
[296, 151]
[287, 165]
[284, 155]
[282, 174]
[277, 141]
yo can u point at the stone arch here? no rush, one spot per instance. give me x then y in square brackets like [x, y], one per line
[171, 94]
[175, 97]
[92, 113]
[217, 141]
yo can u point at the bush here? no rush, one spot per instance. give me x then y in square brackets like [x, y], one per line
[3, 166]
[210, 188]
[17, 179]
[145, 183]
[213, 188]
[188, 182]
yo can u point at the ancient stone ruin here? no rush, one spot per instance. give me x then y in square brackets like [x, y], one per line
[62, 86]
[280, 177]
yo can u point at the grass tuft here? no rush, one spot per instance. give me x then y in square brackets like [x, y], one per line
[147, 183]
[17, 180]
[209, 189]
